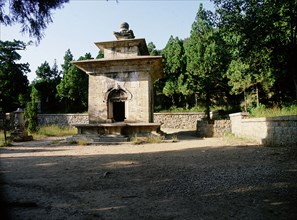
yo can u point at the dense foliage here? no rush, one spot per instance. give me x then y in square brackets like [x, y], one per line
[241, 55]
[73, 88]
[262, 39]
[14, 84]
[33, 15]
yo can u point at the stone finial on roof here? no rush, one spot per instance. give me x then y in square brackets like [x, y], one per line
[124, 32]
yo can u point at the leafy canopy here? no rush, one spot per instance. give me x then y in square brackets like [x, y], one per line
[33, 15]
[13, 79]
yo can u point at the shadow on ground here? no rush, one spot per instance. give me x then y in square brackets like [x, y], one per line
[182, 135]
[197, 183]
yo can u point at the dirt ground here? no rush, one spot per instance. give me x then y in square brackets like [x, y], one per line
[210, 178]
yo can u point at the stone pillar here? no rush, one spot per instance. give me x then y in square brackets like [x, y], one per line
[19, 133]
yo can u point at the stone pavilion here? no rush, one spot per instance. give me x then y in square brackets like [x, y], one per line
[121, 97]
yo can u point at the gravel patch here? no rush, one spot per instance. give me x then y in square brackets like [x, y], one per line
[211, 178]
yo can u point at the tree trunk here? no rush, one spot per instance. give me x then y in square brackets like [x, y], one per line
[295, 83]
[207, 104]
[257, 96]
[245, 101]
[4, 127]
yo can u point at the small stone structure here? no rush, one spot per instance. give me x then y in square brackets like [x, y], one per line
[19, 133]
[121, 87]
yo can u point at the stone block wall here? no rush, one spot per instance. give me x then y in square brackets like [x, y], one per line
[63, 120]
[274, 131]
[221, 127]
[186, 120]
[168, 120]
[216, 129]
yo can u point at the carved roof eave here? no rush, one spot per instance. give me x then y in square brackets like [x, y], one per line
[139, 42]
[151, 64]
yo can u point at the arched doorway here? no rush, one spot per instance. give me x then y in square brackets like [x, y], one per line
[116, 104]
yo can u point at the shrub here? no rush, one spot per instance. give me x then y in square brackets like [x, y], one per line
[31, 116]
[154, 139]
[82, 142]
[3, 142]
[136, 140]
[174, 138]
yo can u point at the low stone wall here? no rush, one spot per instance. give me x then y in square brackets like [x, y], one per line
[267, 131]
[216, 129]
[63, 120]
[168, 120]
[274, 131]
[185, 120]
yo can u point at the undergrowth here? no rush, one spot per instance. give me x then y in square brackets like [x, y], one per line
[150, 139]
[263, 111]
[2, 140]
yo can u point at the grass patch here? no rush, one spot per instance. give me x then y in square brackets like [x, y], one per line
[174, 139]
[262, 111]
[143, 140]
[82, 142]
[2, 141]
[136, 140]
[53, 131]
[175, 109]
[154, 139]
[230, 137]
[5, 144]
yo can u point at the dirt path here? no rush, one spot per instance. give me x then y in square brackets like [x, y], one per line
[194, 178]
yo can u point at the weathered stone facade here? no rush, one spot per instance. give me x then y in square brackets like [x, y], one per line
[121, 84]
[120, 97]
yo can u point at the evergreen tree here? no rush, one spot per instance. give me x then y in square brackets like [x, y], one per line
[206, 60]
[174, 68]
[45, 87]
[152, 49]
[73, 89]
[14, 83]
[262, 35]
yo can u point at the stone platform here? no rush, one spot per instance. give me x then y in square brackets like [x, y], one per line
[114, 132]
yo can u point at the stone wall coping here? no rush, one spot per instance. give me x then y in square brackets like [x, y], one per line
[66, 114]
[157, 113]
[179, 113]
[278, 118]
[239, 114]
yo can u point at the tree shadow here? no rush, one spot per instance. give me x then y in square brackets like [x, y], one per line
[195, 183]
[182, 135]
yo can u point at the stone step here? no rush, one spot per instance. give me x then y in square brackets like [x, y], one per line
[110, 139]
[93, 139]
